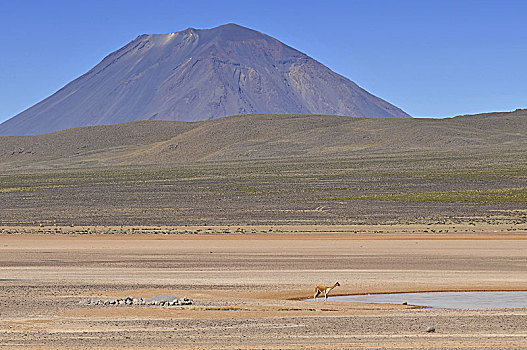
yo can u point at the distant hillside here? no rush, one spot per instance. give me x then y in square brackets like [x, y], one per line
[258, 137]
[198, 75]
[519, 113]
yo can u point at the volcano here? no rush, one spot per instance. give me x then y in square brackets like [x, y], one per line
[199, 74]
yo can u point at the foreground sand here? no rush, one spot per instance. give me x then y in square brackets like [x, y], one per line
[247, 288]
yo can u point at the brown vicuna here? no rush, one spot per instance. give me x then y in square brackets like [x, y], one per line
[324, 289]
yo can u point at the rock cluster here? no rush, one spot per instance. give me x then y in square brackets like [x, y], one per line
[157, 301]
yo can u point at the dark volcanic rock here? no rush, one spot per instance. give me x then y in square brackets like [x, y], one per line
[197, 75]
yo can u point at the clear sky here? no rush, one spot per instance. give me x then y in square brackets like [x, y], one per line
[430, 58]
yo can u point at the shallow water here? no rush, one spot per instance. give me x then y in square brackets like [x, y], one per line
[444, 300]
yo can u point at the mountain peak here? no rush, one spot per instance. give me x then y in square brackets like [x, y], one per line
[199, 74]
[233, 32]
[232, 27]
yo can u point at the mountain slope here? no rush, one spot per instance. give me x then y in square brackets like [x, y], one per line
[197, 75]
[259, 136]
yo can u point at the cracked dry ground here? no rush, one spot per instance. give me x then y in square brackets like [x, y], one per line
[247, 288]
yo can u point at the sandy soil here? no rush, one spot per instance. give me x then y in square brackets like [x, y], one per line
[435, 230]
[247, 290]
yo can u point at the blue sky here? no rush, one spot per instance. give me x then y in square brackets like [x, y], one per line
[430, 58]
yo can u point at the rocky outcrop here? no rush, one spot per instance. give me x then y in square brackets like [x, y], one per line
[128, 301]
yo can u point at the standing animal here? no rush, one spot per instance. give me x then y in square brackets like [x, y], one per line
[324, 289]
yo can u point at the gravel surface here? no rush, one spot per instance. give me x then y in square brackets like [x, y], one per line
[246, 291]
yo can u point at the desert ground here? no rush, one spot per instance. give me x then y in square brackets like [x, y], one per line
[248, 290]
[245, 215]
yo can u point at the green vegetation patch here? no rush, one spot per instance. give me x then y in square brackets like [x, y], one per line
[26, 188]
[491, 196]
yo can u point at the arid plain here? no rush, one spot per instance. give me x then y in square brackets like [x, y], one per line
[247, 290]
[246, 216]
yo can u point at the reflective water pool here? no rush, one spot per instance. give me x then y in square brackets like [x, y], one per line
[447, 300]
